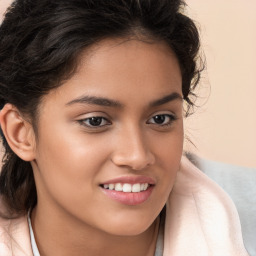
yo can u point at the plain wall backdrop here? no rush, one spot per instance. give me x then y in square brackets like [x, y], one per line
[224, 127]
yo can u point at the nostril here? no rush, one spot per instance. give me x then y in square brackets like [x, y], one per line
[135, 162]
[132, 151]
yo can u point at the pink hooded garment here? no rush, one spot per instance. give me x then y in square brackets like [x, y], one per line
[201, 220]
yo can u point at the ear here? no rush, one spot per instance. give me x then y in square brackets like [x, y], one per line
[18, 132]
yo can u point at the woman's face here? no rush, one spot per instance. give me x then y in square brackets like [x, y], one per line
[110, 138]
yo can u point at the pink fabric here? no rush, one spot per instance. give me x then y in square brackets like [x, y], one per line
[201, 220]
[15, 237]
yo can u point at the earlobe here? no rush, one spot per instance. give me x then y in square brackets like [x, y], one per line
[18, 132]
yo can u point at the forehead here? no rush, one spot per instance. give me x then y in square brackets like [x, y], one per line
[136, 58]
[123, 70]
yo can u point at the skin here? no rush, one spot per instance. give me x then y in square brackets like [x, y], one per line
[70, 159]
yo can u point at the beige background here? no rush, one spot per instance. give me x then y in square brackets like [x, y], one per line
[224, 127]
[3, 6]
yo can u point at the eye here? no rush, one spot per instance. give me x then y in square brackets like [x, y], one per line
[162, 119]
[95, 121]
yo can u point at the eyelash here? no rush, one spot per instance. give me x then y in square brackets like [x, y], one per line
[172, 118]
[83, 122]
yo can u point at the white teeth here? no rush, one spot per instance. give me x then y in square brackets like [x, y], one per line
[118, 187]
[126, 187]
[136, 188]
[111, 186]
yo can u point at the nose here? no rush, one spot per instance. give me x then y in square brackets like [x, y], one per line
[131, 150]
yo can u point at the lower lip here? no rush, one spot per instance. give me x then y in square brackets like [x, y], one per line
[129, 198]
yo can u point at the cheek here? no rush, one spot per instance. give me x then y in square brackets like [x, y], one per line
[71, 150]
[169, 153]
[69, 165]
[169, 148]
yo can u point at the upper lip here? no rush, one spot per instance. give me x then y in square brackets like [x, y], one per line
[131, 180]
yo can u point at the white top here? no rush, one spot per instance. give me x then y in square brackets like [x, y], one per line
[32, 238]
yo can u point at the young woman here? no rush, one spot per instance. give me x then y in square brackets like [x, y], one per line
[93, 96]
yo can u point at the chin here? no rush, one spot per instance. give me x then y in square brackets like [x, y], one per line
[129, 227]
[132, 231]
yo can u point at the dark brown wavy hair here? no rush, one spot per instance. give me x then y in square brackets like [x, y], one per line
[40, 41]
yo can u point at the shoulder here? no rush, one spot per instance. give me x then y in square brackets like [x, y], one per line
[201, 219]
[239, 182]
[14, 236]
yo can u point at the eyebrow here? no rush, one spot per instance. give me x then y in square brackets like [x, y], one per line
[93, 100]
[171, 97]
[101, 101]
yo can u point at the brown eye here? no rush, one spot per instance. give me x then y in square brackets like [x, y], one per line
[162, 119]
[159, 119]
[95, 121]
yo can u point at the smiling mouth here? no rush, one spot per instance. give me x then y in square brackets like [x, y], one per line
[126, 187]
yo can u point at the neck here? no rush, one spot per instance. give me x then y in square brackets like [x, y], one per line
[64, 236]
